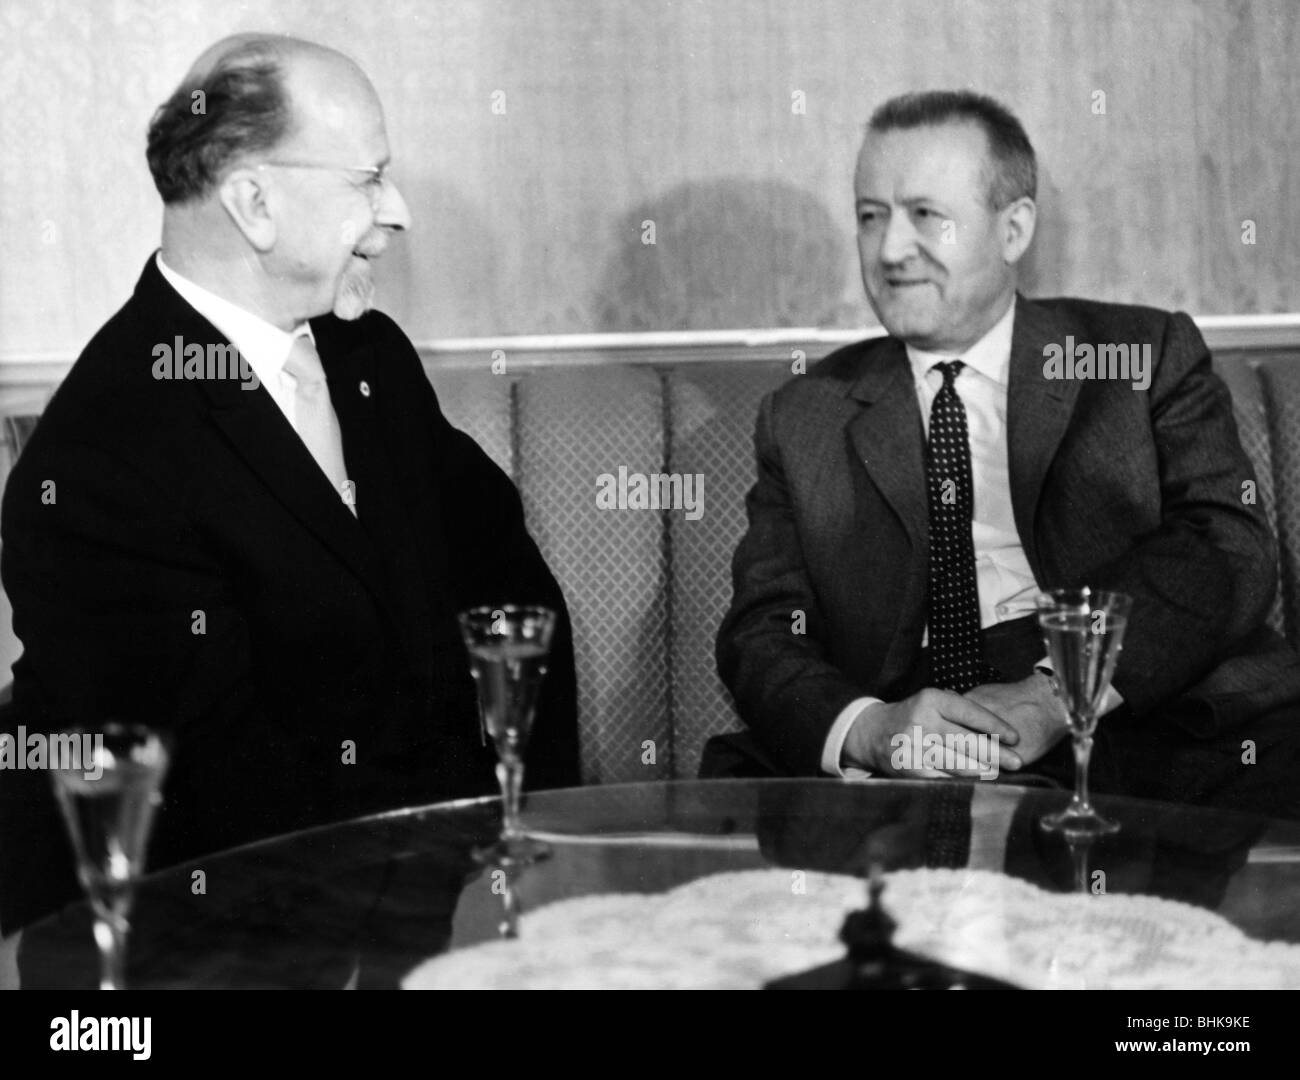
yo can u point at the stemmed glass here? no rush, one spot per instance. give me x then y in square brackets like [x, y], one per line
[1084, 631]
[508, 648]
[1079, 845]
[108, 788]
[512, 909]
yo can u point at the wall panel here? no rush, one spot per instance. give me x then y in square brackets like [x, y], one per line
[620, 112]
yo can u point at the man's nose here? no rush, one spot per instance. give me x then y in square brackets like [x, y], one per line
[900, 240]
[392, 212]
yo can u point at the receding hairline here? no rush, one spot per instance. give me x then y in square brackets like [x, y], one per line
[307, 72]
[301, 64]
[275, 47]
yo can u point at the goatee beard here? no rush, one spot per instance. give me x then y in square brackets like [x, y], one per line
[356, 294]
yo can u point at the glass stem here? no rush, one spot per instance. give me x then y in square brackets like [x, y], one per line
[509, 927]
[1082, 755]
[510, 775]
[110, 936]
[1079, 853]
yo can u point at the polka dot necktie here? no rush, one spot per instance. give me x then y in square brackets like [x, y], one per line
[955, 653]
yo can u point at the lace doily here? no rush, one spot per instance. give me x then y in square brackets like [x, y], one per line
[738, 930]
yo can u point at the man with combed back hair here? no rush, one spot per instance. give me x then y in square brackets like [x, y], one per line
[266, 563]
[916, 492]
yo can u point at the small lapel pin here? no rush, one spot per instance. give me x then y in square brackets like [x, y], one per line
[365, 388]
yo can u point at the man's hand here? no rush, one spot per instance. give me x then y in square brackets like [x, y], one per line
[1032, 708]
[874, 736]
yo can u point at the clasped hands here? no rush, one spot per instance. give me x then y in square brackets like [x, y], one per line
[1027, 718]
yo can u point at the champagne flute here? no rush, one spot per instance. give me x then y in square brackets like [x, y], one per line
[1079, 845]
[508, 647]
[1084, 631]
[511, 908]
[108, 787]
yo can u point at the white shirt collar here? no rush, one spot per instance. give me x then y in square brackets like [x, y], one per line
[264, 346]
[990, 356]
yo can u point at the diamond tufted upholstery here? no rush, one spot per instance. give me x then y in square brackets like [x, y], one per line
[648, 589]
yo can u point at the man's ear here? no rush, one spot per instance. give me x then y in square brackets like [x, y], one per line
[243, 196]
[1017, 224]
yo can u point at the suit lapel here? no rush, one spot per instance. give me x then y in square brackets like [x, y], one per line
[259, 434]
[889, 439]
[354, 386]
[1038, 413]
[885, 430]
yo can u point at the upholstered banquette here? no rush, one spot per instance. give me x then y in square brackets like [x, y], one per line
[648, 587]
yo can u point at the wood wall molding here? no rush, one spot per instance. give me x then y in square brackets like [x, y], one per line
[1166, 137]
[1223, 333]
[42, 372]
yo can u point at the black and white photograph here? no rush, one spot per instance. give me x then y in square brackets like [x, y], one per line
[651, 495]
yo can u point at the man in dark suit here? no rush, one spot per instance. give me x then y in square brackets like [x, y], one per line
[263, 551]
[916, 492]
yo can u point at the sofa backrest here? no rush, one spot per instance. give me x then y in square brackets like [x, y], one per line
[1266, 401]
[647, 589]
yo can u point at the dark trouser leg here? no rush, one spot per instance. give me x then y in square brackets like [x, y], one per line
[1254, 768]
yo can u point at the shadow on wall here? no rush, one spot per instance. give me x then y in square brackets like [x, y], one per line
[725, 254]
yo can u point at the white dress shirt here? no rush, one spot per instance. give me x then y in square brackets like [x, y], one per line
[1006, 584]
[1007, 589]
[264, 346]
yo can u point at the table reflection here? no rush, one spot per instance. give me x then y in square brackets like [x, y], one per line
[360, 903]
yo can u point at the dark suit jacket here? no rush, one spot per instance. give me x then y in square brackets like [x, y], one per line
[1138, 490]
[173, 498]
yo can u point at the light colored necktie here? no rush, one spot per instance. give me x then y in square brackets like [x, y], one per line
[314, 417]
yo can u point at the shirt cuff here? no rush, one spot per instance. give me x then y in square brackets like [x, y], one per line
[833, 749]
[1112, 701]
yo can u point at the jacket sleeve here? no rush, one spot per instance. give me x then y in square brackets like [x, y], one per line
[502, 564]
[1203, 580]
[122, 618]
[495, 560]
[769, 649]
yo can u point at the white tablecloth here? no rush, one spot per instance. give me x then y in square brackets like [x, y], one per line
[737, 930]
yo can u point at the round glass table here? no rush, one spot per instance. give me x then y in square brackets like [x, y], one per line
[362, 903]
